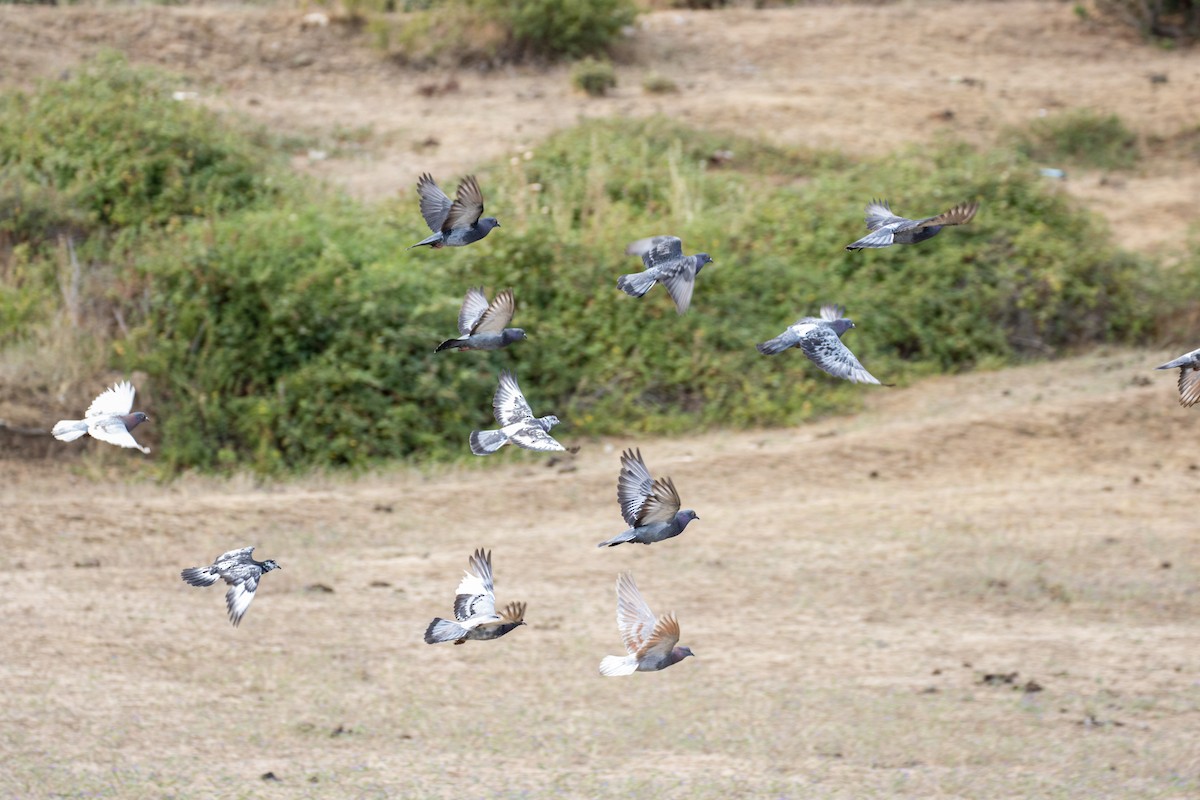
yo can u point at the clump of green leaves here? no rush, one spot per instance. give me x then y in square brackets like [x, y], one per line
[594, 77]
[1080, 138]
[656, 83]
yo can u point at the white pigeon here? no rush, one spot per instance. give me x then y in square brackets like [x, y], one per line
[517, 423]
[650, 640]
[475, 608]
[108, 419]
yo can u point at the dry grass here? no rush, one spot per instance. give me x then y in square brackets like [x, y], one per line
[848, 590]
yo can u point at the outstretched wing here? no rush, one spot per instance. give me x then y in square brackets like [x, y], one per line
[508, 404]
[497, 315]
[634, 486]
[662, 639]
[635, 620]
[476, 596]
[227, 561]
[828, 352]
[113, 431]
[473, 307]
[832, 312]
[467, 206]
[114, 401]
[435, 205]
[532, 436]
[656, 251]
[960, 214]
[1189, 385]
[879, 213]
[680, 284]
[240, 596]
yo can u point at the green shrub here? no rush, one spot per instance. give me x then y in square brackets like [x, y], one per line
[1082, 138]
[594, 77]
[654, 83]
[552, 29]
[1171, 20]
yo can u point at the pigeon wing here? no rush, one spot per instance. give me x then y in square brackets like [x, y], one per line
[1189, 385]
[474, 305]
[513, 613]
[635, 620]
[828, 352]
[657, 251]
[508, 404]
[497, 315]
[634, 486]
[832, 312]
[662, 505]
[662, 639]
[884, 237]
[114, 401]
[240, 596]
[680, 284]
[476, 596]
[879, 213]
[533, 437]
[113, 431]
[960, 214]
[435, 205]
[227, 561]
[467, 206]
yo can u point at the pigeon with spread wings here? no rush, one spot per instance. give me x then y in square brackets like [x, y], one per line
[482, 324]
[1189, 377]
[108, 419]
[650, 507]
[239, 569]
[821, 340]
[454, 223]
[887, 229]
[517, 423]
[665, 262]
[650, 641]
[475, 615]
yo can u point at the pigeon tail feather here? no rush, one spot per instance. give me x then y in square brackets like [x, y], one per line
[450, 344]
[620, 538]
[443, 630]
[636, 284]
[434, 241]
[615, 666]
[773, 346]
[486, 442]
[200, 576]
[68, 430]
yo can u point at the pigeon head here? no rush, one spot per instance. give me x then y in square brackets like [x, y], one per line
[487, 223]
[548, 422]
[133, 420]
[269, 565]
[680, 653]
[701, 260]
[840, 326]
[511, 335]
[685, 516]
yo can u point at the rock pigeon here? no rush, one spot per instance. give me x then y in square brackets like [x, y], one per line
[821, 341]
[887, 229]
[650, 640]
[482, 323]
[108, 419]
[517, 423]
[1189, 377]
[240, 571]
[475, 608]
[457, 223]
[665, 261]
[650, 507]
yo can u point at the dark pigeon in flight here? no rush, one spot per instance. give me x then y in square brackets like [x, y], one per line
[482, 324]
[1189, 377]
[456, 223]
[240, 571]
[887, 229]
[517, 423]
[650, 507]
[109, 418]
[650, 641]
[475, 608]
[665, 261]
[821, 341]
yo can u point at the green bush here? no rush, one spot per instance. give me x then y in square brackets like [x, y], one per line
[551, 29]
[654, 83]
[1081, 138]
[594, 77]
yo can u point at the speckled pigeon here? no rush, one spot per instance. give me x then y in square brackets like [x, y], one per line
[108, 419]
[821, 341]
[651, 641]
[650, 507]
[482, 324]
[517, 423]
[457, 223]
[887, 229]
[240, 571]
[665, 261]
[1189, 377]
[475, 608]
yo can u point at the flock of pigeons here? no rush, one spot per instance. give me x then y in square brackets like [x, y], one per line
[650, 507]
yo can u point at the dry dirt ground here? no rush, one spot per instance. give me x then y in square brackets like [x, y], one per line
[984, 586]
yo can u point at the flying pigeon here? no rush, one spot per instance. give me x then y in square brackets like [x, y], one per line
[107, 419]
[482, 323]
[821, 341]
[475, 608]
[650, 507]
[1189, 377]
[665, 261]
[650, 640]
[887, 229]
[517, 423]
[240, 571]
[457, 223]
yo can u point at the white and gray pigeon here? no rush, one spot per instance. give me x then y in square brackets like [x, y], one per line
[475, 608]
[456, 223]
[240, 571]
[887, 229]
[650, 641]
[108, 419]
[482, 324]
[665, 262]
[650, 507]
[821, 340]
[1189, 377]
[517, 423]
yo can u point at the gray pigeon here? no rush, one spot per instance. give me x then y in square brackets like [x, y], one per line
[821, 341]
[517, 423]
[475, 608]
[457, 223]
[650, 507]
[108, 419]
[240, 571]
[482, 324]
[665, 261]
[651, 641]
[1189, 377]
[887, 229]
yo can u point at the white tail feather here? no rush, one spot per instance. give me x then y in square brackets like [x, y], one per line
[68, 430]
[636, 284]
[615, 666]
